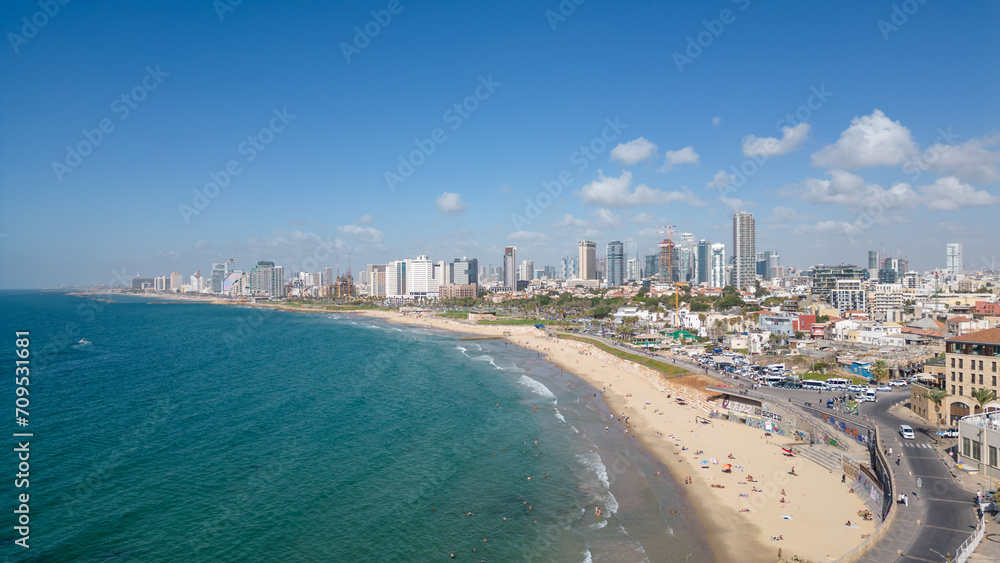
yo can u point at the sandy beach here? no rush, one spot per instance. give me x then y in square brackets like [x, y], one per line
[791, 504]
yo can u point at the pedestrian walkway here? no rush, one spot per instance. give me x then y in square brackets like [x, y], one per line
[824, 456]
[909, 445]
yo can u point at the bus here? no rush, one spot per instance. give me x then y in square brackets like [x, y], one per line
[814, 385]
[837, 383]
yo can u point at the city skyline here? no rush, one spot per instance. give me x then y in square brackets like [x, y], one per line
[442, 130]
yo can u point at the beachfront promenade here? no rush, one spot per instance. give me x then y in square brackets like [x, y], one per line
[939, 515]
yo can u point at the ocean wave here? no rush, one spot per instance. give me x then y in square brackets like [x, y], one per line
[462, 350]
[599, 525]
[560, 416]
[587, 557]
[537, 387]
[488, 359]
[593, 462]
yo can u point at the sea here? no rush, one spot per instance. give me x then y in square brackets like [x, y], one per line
[194, 432]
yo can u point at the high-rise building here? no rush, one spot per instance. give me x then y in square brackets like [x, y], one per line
[328, 277]
[632, 273]
[616, 263]
[510, 267]
[176, 281]
[668, 261]
[262, 278]
[717, 272]
[824, 278]
[767, 261]
[588, 260]
[686, 258]
[652, 266]
[703, 261]
[568, 268]
[744, 250]
[376, 280]
[953, 252]
[395, 279]
[874, 259]
[849, 295]
[420, 281]
[464, 271]
[527, 270]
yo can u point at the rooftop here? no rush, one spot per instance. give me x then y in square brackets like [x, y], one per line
[988, 336]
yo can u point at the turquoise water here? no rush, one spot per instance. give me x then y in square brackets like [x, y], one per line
[192, 432]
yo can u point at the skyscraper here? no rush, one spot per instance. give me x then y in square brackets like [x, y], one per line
[744, 250]
[527, 270]
[717, 272]
[651, 268]
[588, 260]
[464, 271]
[953, 263]
[668, 260]
[686, 258]
[703, 261]
[568, 268]
[616, 263]
[510, 267]
[874, 259]
[376, 280]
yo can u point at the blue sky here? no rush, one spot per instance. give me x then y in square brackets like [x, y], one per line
[892, 141]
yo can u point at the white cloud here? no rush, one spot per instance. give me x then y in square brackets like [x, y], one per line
[716, 121]
[683, 156]
[949, 194]
[202, 244]
[720, 180]
[367, 234]
[735, 204]
[505, 189]
[603, 219]
[826, 228]
[633, 151]
[573, 222]
[791, 137]
[365, 219]
[970, 161]
[782, 214]
[527, 236]
[450, 203]
[606, 218]
[642, 218]
[871, 140]
[617, 192]
[851, 191]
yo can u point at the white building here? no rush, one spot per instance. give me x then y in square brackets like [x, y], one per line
[395, 279]
[849, 295]
[420, 281]
[717, 276]
[376, 280]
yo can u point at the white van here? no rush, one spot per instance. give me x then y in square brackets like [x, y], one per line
[906, 432]
[870, 395]
[837, 383]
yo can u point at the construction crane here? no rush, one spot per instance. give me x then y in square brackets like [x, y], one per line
[669, 241]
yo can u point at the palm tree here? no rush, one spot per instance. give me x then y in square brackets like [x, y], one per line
[937, 395]
[983, 396]
[880, 370]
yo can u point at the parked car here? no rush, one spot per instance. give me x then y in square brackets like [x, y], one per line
[883, 388]
[949, 433]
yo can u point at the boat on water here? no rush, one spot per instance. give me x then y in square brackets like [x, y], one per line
[83, 341]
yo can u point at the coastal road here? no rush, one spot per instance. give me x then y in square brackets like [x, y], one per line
[941, 514]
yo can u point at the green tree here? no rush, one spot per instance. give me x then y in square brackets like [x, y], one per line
[880, 370]
[936, 396]
[983, 396]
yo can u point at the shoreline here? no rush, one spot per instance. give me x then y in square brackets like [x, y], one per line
[738, 517]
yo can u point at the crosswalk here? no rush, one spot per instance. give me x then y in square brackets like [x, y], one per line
[909, 445]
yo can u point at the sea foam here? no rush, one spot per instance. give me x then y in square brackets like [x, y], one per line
[537, 387]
